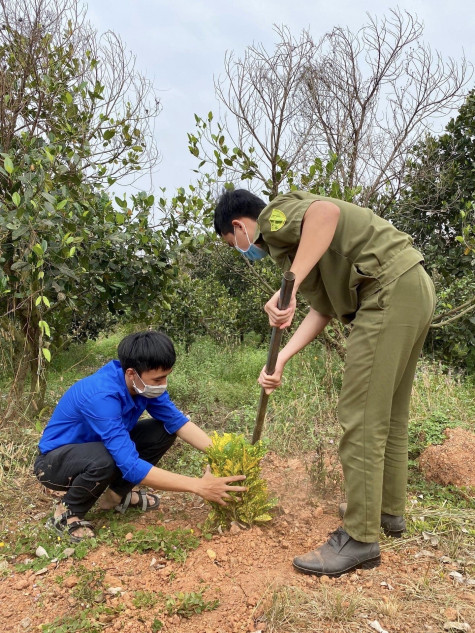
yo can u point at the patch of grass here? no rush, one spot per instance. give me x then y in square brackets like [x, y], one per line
[294, 610]
[441, 397]
[429, 431]
[350, 609]
[145, 599]
[188, 604]
[184, 459]
[217, 386]
[302, 413]
[211, 376]
[452, 528]
[20, 546]
[85, 621]
[172, 544]
[431, 494]
[90, 587]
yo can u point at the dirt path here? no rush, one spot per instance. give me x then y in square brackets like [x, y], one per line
[250, 573]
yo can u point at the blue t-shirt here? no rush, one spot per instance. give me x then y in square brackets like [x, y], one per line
[99, 408]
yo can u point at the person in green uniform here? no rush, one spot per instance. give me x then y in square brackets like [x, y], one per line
[356, 267]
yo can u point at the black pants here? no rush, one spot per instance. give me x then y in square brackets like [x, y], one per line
[84, 471]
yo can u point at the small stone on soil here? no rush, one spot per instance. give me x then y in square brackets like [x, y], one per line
[41, 552]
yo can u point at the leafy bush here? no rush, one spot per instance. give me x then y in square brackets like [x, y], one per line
[188, 604]
[231, 454]
[173, 544]
[430, 431]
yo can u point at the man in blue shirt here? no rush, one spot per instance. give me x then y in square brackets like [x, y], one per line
[95, 446]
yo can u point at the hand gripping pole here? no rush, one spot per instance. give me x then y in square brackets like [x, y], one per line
[286, 289]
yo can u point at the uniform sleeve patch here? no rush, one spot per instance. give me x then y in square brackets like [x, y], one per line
[277, 220]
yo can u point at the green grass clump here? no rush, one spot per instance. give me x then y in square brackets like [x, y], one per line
[429, 431]
[19, 547]
[145, 599]
[232, 454]
[90, 588]
[187, 604]
[90, 620]
[172, 544]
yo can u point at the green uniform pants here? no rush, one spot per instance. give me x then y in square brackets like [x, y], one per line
[382, 353]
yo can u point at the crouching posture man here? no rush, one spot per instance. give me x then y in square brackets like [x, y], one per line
[95, 446]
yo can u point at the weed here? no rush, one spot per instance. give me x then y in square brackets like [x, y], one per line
[453, 529]
[188, 604]
[144, 599]
[157, 625]
[90, 588]
[173, 544]
[83, 621]
[232, 454]
[429, 431]
[23, 542]
[324, 469]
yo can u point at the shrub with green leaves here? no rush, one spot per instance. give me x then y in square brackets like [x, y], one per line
[231, 454]
[188, 604]
[429, 431]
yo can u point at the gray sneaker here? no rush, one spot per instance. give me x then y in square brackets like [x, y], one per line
[339, 555]
[392, 525]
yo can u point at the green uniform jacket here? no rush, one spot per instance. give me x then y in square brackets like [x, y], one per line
[365, 254]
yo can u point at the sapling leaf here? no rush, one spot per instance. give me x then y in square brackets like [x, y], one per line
[231, 454]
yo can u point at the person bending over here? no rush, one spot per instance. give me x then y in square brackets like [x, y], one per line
[356, 267]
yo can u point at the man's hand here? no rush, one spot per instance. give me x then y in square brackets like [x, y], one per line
[280, 318]
[270, 382]
[216, 489]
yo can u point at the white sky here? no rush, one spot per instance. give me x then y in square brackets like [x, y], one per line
[180, 46]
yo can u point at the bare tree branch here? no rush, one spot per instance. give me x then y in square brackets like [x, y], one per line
[373, 94]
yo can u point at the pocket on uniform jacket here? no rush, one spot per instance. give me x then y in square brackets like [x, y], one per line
[362, 286]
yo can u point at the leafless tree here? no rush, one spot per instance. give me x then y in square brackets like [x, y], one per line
[374, 93]
[365, 97]
[263, 93]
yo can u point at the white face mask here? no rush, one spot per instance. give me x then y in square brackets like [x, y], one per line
[149, 391]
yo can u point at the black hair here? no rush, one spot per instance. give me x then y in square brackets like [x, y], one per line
[238, 203]
[144, 351]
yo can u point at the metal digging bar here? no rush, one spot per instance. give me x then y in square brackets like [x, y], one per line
[286, 288]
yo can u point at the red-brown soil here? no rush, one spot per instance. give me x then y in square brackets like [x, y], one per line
[411, 592]
[452, 462]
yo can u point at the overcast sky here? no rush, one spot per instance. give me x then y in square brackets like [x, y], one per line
[180, 46]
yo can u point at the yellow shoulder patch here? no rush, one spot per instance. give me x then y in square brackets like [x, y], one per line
[277, 220]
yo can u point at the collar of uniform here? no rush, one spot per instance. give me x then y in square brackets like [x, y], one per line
[257, 233]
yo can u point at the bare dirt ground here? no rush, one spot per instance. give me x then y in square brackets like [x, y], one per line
[453, 461]
[415, 590]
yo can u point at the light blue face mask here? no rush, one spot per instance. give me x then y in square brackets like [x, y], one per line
[253, 253]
